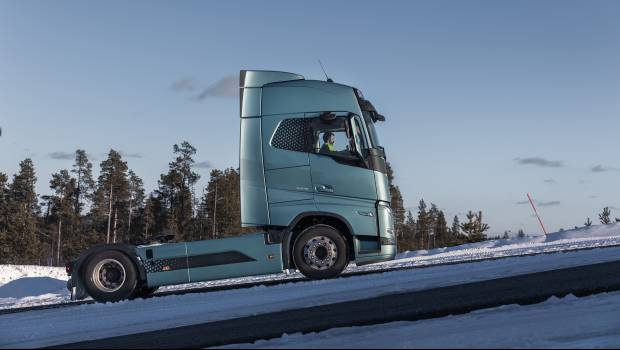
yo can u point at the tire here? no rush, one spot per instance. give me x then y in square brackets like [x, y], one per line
[320, 252]
[110, 276]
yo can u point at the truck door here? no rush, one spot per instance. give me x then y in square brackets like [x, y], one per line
[341, 182]
[287, 167]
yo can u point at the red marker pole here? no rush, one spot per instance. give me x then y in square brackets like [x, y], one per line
[536, 212]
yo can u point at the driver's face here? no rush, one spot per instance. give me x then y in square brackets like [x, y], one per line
[332, 139]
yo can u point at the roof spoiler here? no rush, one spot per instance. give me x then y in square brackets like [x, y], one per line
[258, 78]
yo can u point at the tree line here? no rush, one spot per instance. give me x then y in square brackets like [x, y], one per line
[82, 211]
[429, 229]
[604, 217]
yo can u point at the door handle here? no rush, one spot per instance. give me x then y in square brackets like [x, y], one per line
[324, 188]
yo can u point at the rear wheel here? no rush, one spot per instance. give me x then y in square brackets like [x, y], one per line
[320, 252]
[110, 276]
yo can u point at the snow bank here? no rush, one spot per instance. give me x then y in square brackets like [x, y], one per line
[582, 234]
[32, 286]
[10, 273]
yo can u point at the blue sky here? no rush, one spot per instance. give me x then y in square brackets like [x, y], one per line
[485, 100]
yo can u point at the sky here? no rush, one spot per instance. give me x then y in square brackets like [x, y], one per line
[485, 100]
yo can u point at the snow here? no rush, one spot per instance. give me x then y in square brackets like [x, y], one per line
[32, 286]
[84, 322]
[570, 322]
[10, 273]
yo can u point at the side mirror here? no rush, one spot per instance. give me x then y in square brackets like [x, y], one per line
[367, 106]
[379, 117]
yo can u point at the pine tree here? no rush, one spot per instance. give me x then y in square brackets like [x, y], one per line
[588, 222]
[397, 203]
[604, 216]
[4, 202]
[135, 202]
[406, 240]
[506, 235]
[474, 227]
[155, 218]
[112, 192]
[85, 185]
[22, 236]
[433, 213]
[521, 234]
[64, 187]
[211, 201]
[422, 224]
[455, 232]
[441, 230]
[4, 219]
[470, 226]
[177, 189]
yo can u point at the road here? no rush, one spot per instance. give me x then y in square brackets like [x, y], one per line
[410, 306]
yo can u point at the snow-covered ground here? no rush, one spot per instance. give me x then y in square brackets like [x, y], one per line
[84, 322]
[570, 322]
[10, 273]
[586, 237]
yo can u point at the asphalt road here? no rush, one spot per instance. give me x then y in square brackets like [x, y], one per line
[410, 306]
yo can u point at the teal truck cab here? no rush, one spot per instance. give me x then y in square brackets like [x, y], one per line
[313, 181]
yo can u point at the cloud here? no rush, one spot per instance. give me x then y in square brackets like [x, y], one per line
[538, 161]
[541, 204]
[599, 169]
[61, 155]
[130, 155]
[226, 87]
[550, 181]
[183, 85]
[548, 204]
[203, 165]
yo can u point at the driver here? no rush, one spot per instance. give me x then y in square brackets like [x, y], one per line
[328, 142]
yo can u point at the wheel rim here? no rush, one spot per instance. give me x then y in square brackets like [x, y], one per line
[320, 253]
[109, 275]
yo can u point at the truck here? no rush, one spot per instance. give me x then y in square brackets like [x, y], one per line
[313, 182]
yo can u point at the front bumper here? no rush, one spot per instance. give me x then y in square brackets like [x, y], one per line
[387, 253]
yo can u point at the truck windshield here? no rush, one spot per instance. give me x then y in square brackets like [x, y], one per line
[370, 125]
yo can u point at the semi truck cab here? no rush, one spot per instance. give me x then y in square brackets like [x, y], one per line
[313, 182]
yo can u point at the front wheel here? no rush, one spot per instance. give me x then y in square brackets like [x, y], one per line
[110, 276]
[320, 252]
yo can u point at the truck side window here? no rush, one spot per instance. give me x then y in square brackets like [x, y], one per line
[334, 138]
[293, 135]
[360, 140]
[331, 141]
